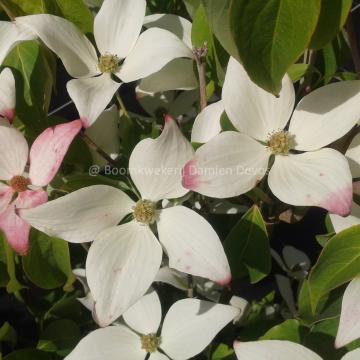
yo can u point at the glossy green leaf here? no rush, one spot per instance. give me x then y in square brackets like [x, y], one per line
[218, 13]
[47, 264]
[271, 35]
[34, 83]
[75, 11]
[290, 330]
[12, 285]
[192, 6]
[247, 247]
[72, 10]
[222, 352]
[201, 32]
[338, 263]
[60, 336]
[332, 18]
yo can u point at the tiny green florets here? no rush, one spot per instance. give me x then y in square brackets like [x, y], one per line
[150, 343]
[108, 63]
[145, 212]
[280, 143]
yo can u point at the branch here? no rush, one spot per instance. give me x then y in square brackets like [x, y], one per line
[200, 58]
[95, 147]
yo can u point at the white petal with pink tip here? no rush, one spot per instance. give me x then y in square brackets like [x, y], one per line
[192, 244]
[155, 165]
[320, 178]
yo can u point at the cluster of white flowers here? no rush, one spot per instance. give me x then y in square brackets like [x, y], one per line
[131, 236]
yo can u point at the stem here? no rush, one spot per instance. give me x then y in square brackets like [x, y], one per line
[95, 147]
[200, 58]
[353, 44]
[122, 105]
[190, 290]
[7, 11]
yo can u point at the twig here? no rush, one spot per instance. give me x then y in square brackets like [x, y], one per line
[60, 108]
[122, 105]
[100, 151]
[200, 58]
[353, 44]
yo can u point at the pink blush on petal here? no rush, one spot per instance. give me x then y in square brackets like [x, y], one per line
[9, 114]
[190, 178]
[339, 203]
[225, 281]
[85, 122]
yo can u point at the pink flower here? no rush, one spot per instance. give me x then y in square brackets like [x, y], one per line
[22, 190]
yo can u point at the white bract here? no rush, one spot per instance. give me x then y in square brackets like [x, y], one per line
[353, 155]
[232, 163]
[124, 52]
[179, 73]
[349, 326]
[124, 260]
[188, 328]
[280, 350]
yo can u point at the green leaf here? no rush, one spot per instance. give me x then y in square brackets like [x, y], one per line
[75, 11]
[47, 264]
[201, 32]
[4, 276]
[290, 330]
[247, 247]
[60, 336]
[28, 354]
[339, 262]
[298, 71]
[8, 334]
[34, 83]
[72, 10]
[222, 352]
[271, 35]
[218, 13]
[192, 6]
[13, 285]
[332, 18]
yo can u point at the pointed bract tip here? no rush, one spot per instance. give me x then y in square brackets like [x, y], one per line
[8, 114]
[168, 118]
[340, 203]
[85, 122]
[226, 281]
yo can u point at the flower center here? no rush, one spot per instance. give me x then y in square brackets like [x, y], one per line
[19, 183]
[150, 343]
[145, 212]
[280, 143]
[108, 63]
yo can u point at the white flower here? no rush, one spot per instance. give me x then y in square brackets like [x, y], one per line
[349, 326]
[280, 350]
[179, 73]
[232, 163]
[188, 328]
[124, 52]
[124, 260]
[353, 155]
[7, 95]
